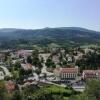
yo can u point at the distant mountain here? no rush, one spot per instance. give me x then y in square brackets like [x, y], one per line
[64, 36]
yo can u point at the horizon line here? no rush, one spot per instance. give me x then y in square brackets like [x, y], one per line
[47, 28]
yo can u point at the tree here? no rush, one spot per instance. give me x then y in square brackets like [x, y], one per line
[35, 53]
[3, 91]
[28, 92]
[38, 71]
[16, 95]
[17, 64]
[93, 89]
[57, 97]
[29, 59]
[49, 63]
[42, 60]
[64, 62]
[35, 59]
[89, 61]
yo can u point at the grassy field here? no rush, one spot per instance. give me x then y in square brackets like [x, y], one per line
[58, 89]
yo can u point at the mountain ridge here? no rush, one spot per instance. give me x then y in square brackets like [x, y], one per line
[66, 36]
[49, 28]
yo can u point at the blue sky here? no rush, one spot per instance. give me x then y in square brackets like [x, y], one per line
[34, 14]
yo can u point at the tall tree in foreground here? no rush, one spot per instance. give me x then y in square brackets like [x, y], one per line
[3, 91]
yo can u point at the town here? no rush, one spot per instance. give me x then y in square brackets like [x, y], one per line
[59, 66]
[49, 50]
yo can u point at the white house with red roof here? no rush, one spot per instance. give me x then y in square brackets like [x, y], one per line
[90, 74]
[66, 73]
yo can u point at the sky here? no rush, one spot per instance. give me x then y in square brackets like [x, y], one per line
[36, 14]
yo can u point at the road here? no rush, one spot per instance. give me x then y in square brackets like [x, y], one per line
[79, 88]
[43, 70]
[6, 71]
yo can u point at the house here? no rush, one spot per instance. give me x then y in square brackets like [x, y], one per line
[66, 73]
[24, 53]
[55, 59]
[27, 66]
[91, 74]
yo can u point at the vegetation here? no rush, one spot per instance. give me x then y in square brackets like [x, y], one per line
[3, 91]
[35, 59]
[49, 63]
[47, 92]
[92, 91]
[35, 92]
[89, 61]
[65, 37]
[52, 92]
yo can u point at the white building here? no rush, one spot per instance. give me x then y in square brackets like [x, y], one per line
[1, 75]
[66, 73]
[90, 74]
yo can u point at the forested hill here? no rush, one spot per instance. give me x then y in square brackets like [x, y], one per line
[61, 36]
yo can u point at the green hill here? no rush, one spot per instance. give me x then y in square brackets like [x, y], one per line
[64, 36]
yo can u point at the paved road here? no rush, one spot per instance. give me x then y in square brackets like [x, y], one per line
[43, 70]
[36, 77]
[79, 88]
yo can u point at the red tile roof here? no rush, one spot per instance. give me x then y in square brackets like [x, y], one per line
[89, 71]
[67, 70]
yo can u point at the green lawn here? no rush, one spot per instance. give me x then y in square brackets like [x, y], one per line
[66, 98]
[58, 89]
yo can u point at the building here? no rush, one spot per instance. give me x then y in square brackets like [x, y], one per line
[1, 75]
[66, 73]
[26, 66]
[55, 59]
[91, 74]
[98, 74]
[24, 53]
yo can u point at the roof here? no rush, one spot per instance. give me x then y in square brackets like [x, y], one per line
[67, 70]
[91, 71]
[24, 52]
[98, 70]
[26, 66]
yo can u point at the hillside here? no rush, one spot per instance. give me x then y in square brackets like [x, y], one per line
[65, 36]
